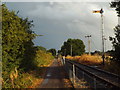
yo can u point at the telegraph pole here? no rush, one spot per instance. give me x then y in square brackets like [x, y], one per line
[88, 36]
[71, 50]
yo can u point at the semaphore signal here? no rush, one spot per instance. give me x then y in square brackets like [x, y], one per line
[102, 30]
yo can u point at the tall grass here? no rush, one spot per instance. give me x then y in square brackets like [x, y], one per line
[87, 59]
[112, 66]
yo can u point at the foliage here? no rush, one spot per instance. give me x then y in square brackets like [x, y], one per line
[43, 58]
[117, 6]
[112, 66]
[19, 56]
[32, 78]
[17, 42]
[78, 47]
[96, 52]
[53, 51]
[116, 43]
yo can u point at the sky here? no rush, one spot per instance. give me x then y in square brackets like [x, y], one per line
[58, 21]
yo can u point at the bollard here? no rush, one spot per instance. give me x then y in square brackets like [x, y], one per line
[70, 75]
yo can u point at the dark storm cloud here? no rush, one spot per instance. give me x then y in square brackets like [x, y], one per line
[60, 21]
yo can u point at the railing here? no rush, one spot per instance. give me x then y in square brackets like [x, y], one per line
[82, 78]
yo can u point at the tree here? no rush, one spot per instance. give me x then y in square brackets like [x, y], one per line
[117, 6]
[116, 43]
[53, 51]
[40, 48]
[17, 46]
[77, 45]
[116, 40]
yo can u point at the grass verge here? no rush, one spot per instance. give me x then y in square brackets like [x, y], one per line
[31, 78]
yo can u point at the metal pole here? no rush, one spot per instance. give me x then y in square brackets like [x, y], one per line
[103, 57]
[89, 45]
[105, 44]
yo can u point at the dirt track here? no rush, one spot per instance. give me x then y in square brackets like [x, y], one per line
[56, 77]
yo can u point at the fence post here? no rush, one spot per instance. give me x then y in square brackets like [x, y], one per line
[73, 74]
[83, 75]
[94, 83]
[62, 61]
[70, 75]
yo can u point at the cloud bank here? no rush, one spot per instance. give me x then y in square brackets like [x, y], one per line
[58, 21]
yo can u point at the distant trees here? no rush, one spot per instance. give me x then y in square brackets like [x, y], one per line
[40, 48]
[96, 52]
[76, 45]
[53, 51]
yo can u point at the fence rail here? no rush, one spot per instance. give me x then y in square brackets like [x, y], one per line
[84, 76]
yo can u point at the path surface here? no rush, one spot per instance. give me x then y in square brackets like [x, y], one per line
[56, 77]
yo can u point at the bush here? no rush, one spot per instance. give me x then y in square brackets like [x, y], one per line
[43, 58]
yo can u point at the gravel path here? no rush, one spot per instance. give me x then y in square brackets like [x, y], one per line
[56, 77]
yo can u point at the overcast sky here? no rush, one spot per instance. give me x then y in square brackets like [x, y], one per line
[58, 21]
